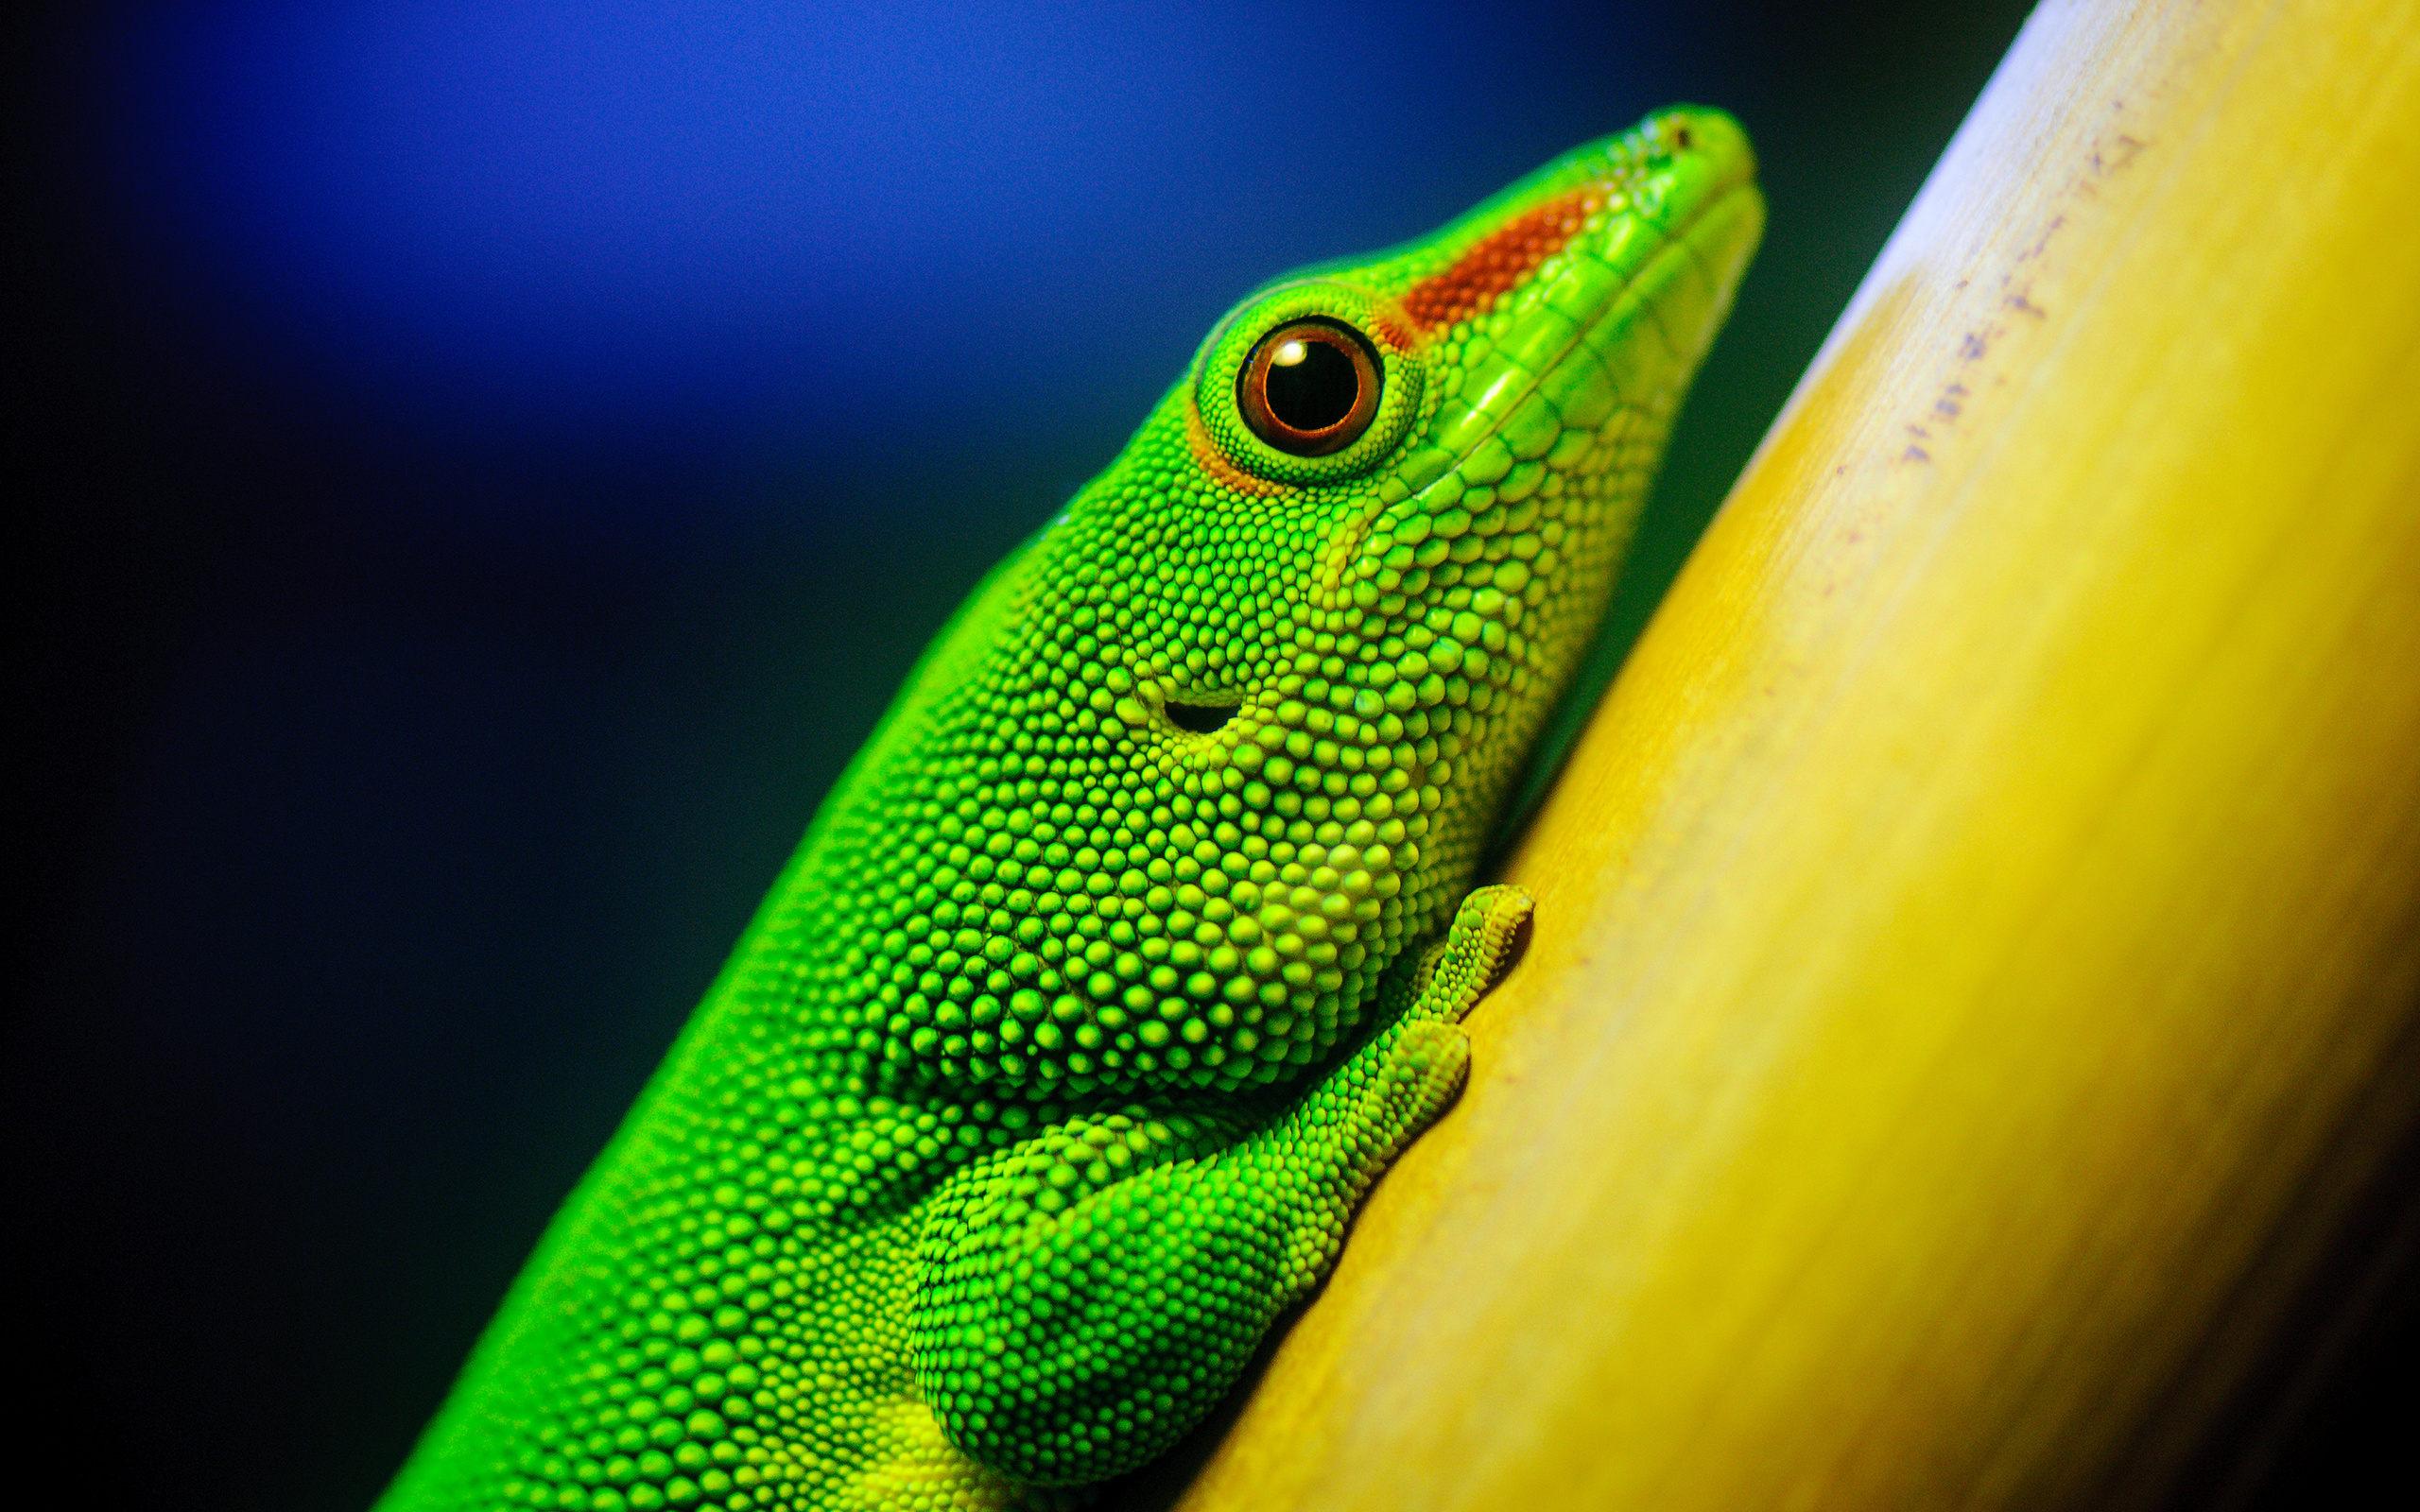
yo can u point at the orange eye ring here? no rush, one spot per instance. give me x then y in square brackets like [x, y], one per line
[1310, 386]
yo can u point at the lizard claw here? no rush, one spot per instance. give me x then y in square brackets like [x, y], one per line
[1489, 933]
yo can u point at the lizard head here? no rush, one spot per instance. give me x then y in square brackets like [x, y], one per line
[1250, 705]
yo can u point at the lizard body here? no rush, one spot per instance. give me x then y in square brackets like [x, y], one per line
[1058, 1057]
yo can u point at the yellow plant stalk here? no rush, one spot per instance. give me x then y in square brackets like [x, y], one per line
[1977, 936]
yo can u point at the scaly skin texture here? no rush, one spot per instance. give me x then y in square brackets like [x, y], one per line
[1052, 1068]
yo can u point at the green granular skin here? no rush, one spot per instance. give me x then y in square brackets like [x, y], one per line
[1054, 1065]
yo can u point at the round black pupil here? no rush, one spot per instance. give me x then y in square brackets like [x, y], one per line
[1311, 385]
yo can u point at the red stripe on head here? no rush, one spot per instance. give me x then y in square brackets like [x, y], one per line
[1501, 259]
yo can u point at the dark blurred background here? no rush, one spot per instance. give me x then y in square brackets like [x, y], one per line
[489, 464]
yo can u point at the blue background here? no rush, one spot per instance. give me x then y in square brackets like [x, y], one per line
[494, 460]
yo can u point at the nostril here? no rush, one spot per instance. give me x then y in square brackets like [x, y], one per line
[1201, 718]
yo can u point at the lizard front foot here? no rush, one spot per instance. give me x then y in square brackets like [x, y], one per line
[1085, 1298]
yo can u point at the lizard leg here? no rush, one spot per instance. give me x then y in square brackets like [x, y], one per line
[1085, 1298]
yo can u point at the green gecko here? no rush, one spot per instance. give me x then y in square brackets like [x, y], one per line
[1110, 975]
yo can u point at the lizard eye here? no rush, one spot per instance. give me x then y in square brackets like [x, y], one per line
[1310, 386]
